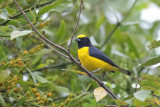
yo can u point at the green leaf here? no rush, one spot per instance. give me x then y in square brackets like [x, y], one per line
[3, 75]
[44, 51]
[36, 60]
[40, 66]
[62, 89]
[154, 44]
[16, 34]
[21, 101]
[60, 8]
[4, 31]
[120, 103]
[19, 42]
[142, 94]
[99, 22]
[152, 61]
[25, 82]
[132, 47]
[39, 78]
[61, 31]
[48, 7]
[2, 55]
[10, 10]
[35, 82]
[2, 102]
[11, 91]
[4, 14]
[49, 61]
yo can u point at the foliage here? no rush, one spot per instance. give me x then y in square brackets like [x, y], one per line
[33, 75]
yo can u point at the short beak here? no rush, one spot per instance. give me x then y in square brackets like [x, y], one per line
[77, 39]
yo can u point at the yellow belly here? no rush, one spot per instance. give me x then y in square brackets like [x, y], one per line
[92, 63]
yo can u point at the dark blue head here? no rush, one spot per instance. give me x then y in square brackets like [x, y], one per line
[83, 41]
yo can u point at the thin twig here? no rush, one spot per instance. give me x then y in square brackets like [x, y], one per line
[77, 23]
[70, 56]
[136, 83]
[15, 16]
[33, 27]
[51, 47]
[117, 25]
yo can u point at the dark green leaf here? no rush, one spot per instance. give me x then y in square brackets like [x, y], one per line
[152, 61]
[49, 7]
[21, 101]
[132, 47]
[2, 55]
[36, 59]
[61, 31]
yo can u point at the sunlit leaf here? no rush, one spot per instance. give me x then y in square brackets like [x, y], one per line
[16, 34]
[142, 94]
[4, 14]
[99, 93]
[61, 31]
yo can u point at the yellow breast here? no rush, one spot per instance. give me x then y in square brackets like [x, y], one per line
[92, 63]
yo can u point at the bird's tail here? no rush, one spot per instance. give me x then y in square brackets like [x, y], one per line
[125, 71]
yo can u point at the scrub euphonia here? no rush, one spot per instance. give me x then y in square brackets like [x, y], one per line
[93, 59]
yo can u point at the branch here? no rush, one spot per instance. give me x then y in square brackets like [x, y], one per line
[118, 24]
[69, 55]
[37, 6]
[77, 23]
[51, 47]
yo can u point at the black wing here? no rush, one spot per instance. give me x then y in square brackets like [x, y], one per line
[94, 52]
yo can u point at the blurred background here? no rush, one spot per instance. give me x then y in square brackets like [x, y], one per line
[133, 45]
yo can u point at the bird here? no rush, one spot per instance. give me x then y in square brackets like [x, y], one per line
[93, 59]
